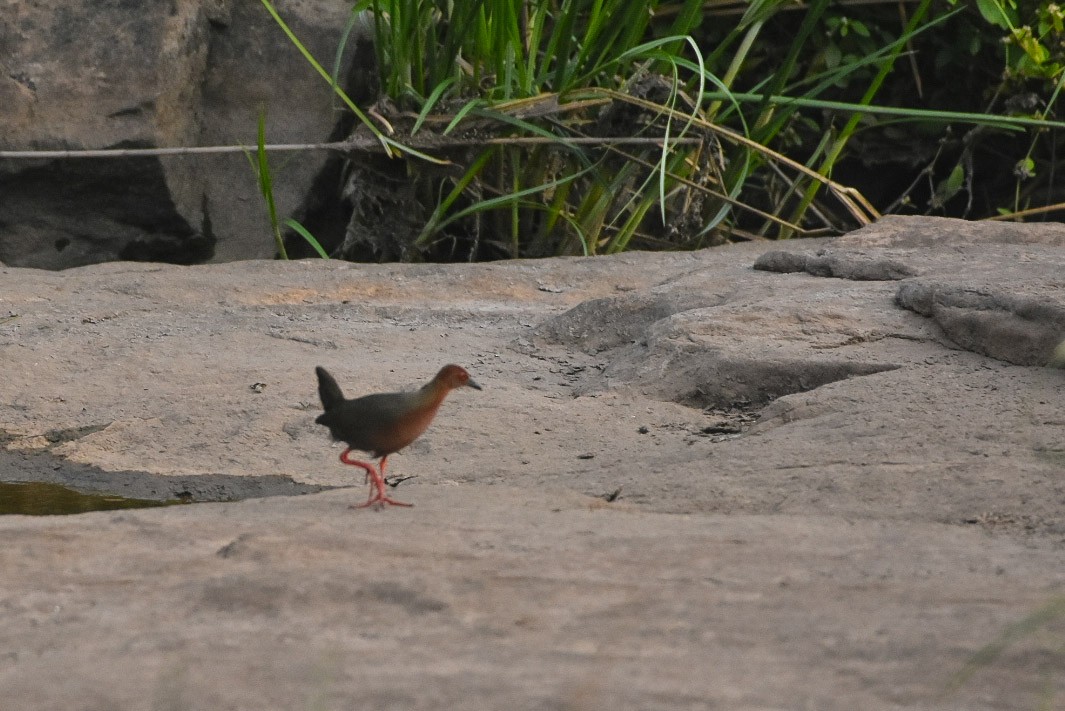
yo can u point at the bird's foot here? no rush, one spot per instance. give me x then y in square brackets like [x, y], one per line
[378, 498]
[379, 502]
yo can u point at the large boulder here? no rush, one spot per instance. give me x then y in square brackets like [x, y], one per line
[88, 75]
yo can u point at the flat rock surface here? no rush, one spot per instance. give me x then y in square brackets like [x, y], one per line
[835, 479]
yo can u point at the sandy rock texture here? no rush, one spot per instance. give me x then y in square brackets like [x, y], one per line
[837, 471]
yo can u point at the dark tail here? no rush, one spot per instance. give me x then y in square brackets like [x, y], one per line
[328, 389]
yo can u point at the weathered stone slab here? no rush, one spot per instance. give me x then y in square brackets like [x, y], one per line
[821, 498]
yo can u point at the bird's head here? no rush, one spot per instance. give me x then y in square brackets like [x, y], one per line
[454, 376]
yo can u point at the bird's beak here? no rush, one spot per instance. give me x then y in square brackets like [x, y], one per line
[475, 386]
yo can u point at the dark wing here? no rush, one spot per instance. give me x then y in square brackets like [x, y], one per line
[372, 423]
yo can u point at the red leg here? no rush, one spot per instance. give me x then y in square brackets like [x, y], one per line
[367, 466]
[377, 481]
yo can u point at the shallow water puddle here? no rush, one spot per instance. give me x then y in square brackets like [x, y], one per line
[37, 483]
[43, 499]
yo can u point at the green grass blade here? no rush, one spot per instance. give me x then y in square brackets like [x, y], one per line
[852, 123]
[390, 146]
[437, 220]
[430, 103]
[1009, 123]
[266, 185]
[505, 200]
[462, 113]
[306, 235]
